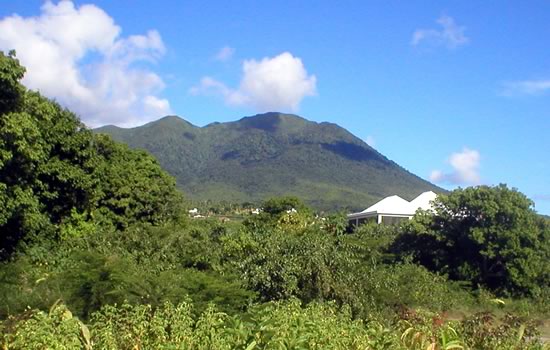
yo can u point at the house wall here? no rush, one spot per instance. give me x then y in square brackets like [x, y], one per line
[392, 220]
[382, 219]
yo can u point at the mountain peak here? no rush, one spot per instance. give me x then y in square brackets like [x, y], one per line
[273, 121]
[273, 154]
[271, 115]
[171, 121]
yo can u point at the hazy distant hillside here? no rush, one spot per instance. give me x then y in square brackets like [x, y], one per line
[272, 154]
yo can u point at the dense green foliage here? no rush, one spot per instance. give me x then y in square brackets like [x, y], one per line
[98, 254]
[229, 264]
[238, 267]
[489, 236]
[269, 155]
[282, 325]
[58, 179]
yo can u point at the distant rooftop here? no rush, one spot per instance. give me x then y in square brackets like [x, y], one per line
[395, 205]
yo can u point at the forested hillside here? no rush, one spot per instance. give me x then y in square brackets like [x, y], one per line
[98, 253]
[272, 154]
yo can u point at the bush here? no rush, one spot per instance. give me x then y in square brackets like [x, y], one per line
[144, 264]
[57, 329]
[488, 236]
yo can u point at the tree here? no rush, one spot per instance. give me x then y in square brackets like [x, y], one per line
[46, 161]
[10, 89]
[490, 236]
[133, 187]
[55, 174]
[280, 205]
[287, 213]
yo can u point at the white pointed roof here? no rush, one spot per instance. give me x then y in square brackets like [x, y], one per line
[391, 205]
[399, 206]
[423, 201]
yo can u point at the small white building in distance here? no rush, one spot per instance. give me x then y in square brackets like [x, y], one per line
[392, 210]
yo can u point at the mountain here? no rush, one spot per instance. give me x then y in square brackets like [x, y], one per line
[272, 154]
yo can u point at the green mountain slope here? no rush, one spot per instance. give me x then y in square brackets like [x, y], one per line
[272, 154]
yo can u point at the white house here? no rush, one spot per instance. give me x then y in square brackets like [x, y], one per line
[256, 211]
[392, 210]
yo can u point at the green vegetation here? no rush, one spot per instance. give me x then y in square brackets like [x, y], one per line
[489, 236]
[98, 253]
[275, 325]
[269, 155]
[58, 179]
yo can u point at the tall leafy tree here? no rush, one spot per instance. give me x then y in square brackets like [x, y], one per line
[55, 174]
[133, 186]
[46, 160]
[490, 236]
[10, 89]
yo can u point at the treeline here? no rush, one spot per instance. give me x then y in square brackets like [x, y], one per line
[98, 252]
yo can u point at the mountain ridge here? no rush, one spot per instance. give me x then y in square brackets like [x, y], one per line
[272, 154]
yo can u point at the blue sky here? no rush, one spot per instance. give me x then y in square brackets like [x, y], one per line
[457, 92]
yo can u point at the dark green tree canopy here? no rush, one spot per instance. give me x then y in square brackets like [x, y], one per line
[490, 236]
[10, 89]
[279, 205]
[55, 173]
[133, 188]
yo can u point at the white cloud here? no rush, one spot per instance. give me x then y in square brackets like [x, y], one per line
[526, 87]
[153, 104]
[371, 141]
[77, 56]
[272, 84]
[210, 85]
[224, 54]
[465, 171]
[450, 35]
